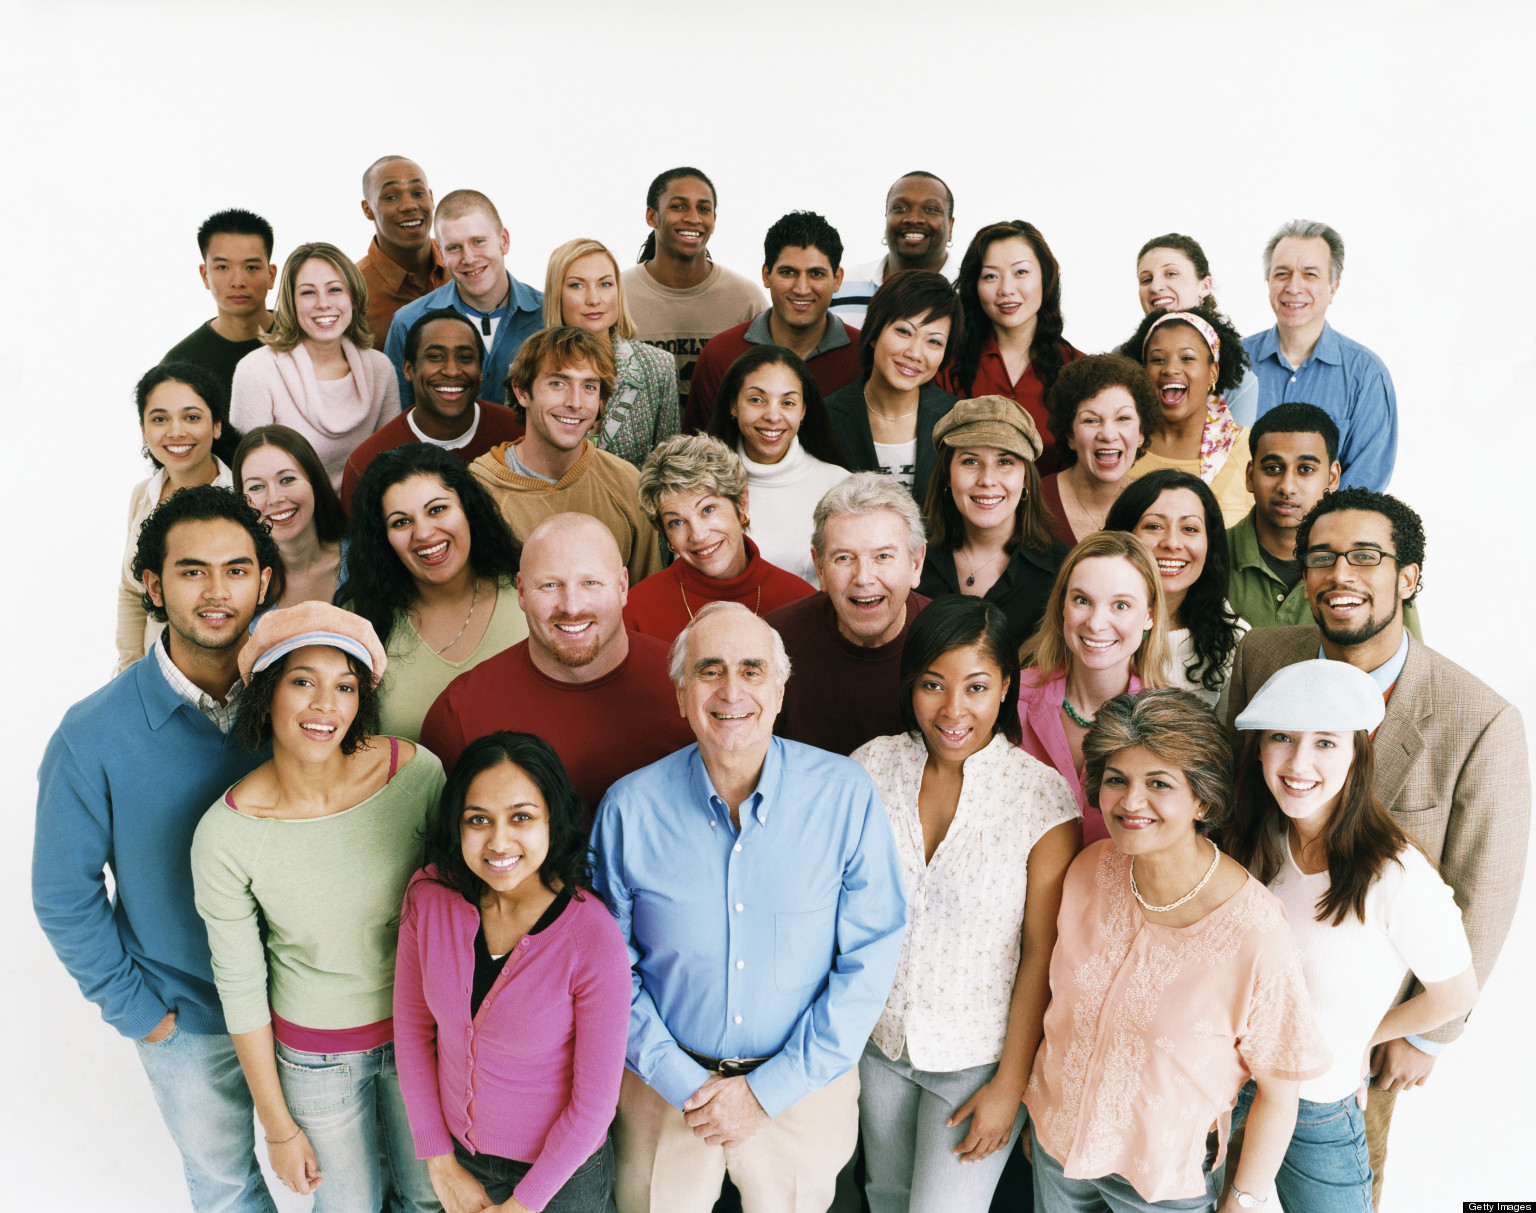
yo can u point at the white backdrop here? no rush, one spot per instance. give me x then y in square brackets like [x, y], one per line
[1408, 126]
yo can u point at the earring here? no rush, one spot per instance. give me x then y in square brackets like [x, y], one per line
[885, 241]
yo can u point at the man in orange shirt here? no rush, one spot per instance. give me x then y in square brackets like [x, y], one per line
[401, 263]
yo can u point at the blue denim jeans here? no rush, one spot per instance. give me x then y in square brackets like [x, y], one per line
[1327, 1168]
[350, 1107]
[1055, 1193]
[909, 1161]
[207, 1107]
[589, 1190]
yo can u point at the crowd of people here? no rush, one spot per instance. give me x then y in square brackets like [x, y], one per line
[575, 748]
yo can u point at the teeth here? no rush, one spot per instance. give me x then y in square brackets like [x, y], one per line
[1170, 565]
[866, 601]
[283, 516]
[444, 389]
[570, 420]
[1345, 600]
[324, 730]
[410, 223]
[1297, 785]
[988, 501]
[181, 448]
[1098, 644]
[573, 629]
[503, 865]
[730, 715]
[437, 549]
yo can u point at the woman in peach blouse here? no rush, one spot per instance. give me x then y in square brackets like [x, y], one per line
[1174, 981]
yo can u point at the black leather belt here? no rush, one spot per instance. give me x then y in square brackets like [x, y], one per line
[726, 1067]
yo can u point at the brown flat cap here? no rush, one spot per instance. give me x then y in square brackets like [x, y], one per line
[992, 421]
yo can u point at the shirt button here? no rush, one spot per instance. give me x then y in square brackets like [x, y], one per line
[737, 847]
[738, 1019]
[711, 823]
[741, 964]
[739, 907]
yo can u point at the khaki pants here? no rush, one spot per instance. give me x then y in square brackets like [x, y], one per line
[1378, 1119]
[789, 1166]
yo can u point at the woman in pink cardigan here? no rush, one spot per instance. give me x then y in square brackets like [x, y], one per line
[318, 372]
[1104, 633]
[512, 992]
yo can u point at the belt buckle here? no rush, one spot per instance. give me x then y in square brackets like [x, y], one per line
[735, 1067]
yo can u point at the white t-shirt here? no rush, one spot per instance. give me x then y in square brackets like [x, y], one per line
[448, 444]
[1412, 924]
[898, 460]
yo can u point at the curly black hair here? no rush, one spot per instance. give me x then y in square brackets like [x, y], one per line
[568, 863]
[1211, 622]
[253, 718]
[208, 389]
[378, 586]
[1045, 355]
[1233, 358]
[815, 433]
[1190, 247]
[1407, 526]
[201, 503]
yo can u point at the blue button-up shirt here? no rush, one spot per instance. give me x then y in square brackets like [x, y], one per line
[1347, 382]
[779, 941]
[523, 318]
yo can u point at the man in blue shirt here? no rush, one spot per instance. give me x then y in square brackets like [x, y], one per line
[757, 884]
[1303, 359]
[473, 245]
[124, 782]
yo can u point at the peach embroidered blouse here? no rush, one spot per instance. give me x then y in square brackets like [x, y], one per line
[1153, 1030]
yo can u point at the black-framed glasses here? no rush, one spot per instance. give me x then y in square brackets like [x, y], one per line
[1361, 558]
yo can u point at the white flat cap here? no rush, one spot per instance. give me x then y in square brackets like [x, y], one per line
[1316, 697]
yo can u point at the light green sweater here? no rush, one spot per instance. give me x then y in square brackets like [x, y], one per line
[329, 889]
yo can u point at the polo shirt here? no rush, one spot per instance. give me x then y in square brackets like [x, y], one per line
[861, 282]
[391, 286]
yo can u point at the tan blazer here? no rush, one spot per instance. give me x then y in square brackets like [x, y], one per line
[1451, 765]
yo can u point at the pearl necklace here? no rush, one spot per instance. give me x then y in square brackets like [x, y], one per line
[1174, 905]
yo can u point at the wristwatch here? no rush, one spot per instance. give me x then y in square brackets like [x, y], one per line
[1246, 1201]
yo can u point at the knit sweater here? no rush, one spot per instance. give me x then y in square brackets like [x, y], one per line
[302, 913]
[281, 389]
[534, 1074]
[664, 602]
[643, 409]
[781, 500]
[598, 483]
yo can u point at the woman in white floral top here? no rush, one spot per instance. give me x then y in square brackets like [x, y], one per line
[985, 833]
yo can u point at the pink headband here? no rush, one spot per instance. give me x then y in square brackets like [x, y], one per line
[1194, 322]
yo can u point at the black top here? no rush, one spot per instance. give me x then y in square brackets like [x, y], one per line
[850, 422]
[1289, 571]
[488, 968]
[1021, 591]
[216, 355]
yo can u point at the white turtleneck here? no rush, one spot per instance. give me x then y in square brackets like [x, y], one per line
[781, 500]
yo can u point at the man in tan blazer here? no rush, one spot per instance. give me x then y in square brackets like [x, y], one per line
[1450, 755]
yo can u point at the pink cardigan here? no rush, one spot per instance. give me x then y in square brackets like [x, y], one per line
[1045, 739]
[535, 1075]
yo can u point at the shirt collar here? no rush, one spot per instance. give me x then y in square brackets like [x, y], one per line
[1328, 348]
[523, 298]
[1386, 674]
[762, 797]
[221, 714]
[1245, 545]
[836, 335]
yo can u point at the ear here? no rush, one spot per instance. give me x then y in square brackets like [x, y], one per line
[271, 275]
[153, 587]
[409, 368]
[624, 586]
[652, 219]
[266, 580]
[1247, 475]
[368, 211]
[202, 272]
[218, 430]
[1334, 472]
[523, 398]
[917, 564]
[506, 241]
[1407, 580]
[1333, 287]
[522, 602]
[765, 276]
[837, 280]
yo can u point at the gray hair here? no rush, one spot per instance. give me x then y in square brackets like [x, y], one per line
[865, 493]
[690, 463]
[1310, 229]
[677, 660]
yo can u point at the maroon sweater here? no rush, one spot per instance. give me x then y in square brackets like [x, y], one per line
[664, 602]
[498, 424]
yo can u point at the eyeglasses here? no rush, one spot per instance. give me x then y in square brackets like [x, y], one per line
[1361, 558]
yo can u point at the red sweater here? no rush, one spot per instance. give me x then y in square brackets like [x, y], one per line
[992, 380]
[497, 424]
[664, 602]
[839, 694]
[601, 730]
[837, 368]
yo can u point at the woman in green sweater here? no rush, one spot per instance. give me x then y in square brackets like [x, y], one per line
[299, 870]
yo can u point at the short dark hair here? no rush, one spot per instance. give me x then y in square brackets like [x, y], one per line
[1295, 417]
[568, 864]
[949, 194]
[802, 229]
[1190, 247]
[905, 294]
[413, 334]
[653, 199]
[956, 621]
[201, 503]
[1177, 727]
[1231, 362]
[1080, 381]
[234, 222]
[1407, 526]
[253, 718]
[816, 434]
[209, 390]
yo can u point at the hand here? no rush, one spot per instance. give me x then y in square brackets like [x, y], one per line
[161, 1030]
[510, 1205]
[992, 1111]
[724, 1112]
[294, 1163]
[1362, 1092]
[1397, 1066]
[459, 1191]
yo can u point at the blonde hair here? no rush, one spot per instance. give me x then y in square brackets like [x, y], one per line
[560, 262]
[1047, 652]
[690, 463]
[457, 203]
[285, 332]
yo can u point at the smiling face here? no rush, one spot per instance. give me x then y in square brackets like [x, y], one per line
[867, 569]
[918, 225]
[314, 703]
[562, 407]
[705, 531]
[987, 486]
[1182, 370]
[800, 285]
[1306, 771]
[1167, 279]
[426, 525]
[209, 585]
[179, 430]
[572, 587]
[1104, 613]
[1352, 603]
[1300, 285]
[956, 701]
[474, 249]
[238, 274]
[445, 375]
[279, 491]
[1011, 287]
[1288, 475]
[504, 827]
[321, 301]
[589, 294]
[685, 220]
[1174, 529]
[400, 204]
[731, 693]
[768, 411]
[1147, 803]
[1106, 433]
[907, 353]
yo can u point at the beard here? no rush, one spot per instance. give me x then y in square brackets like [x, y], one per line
[1372, 626]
